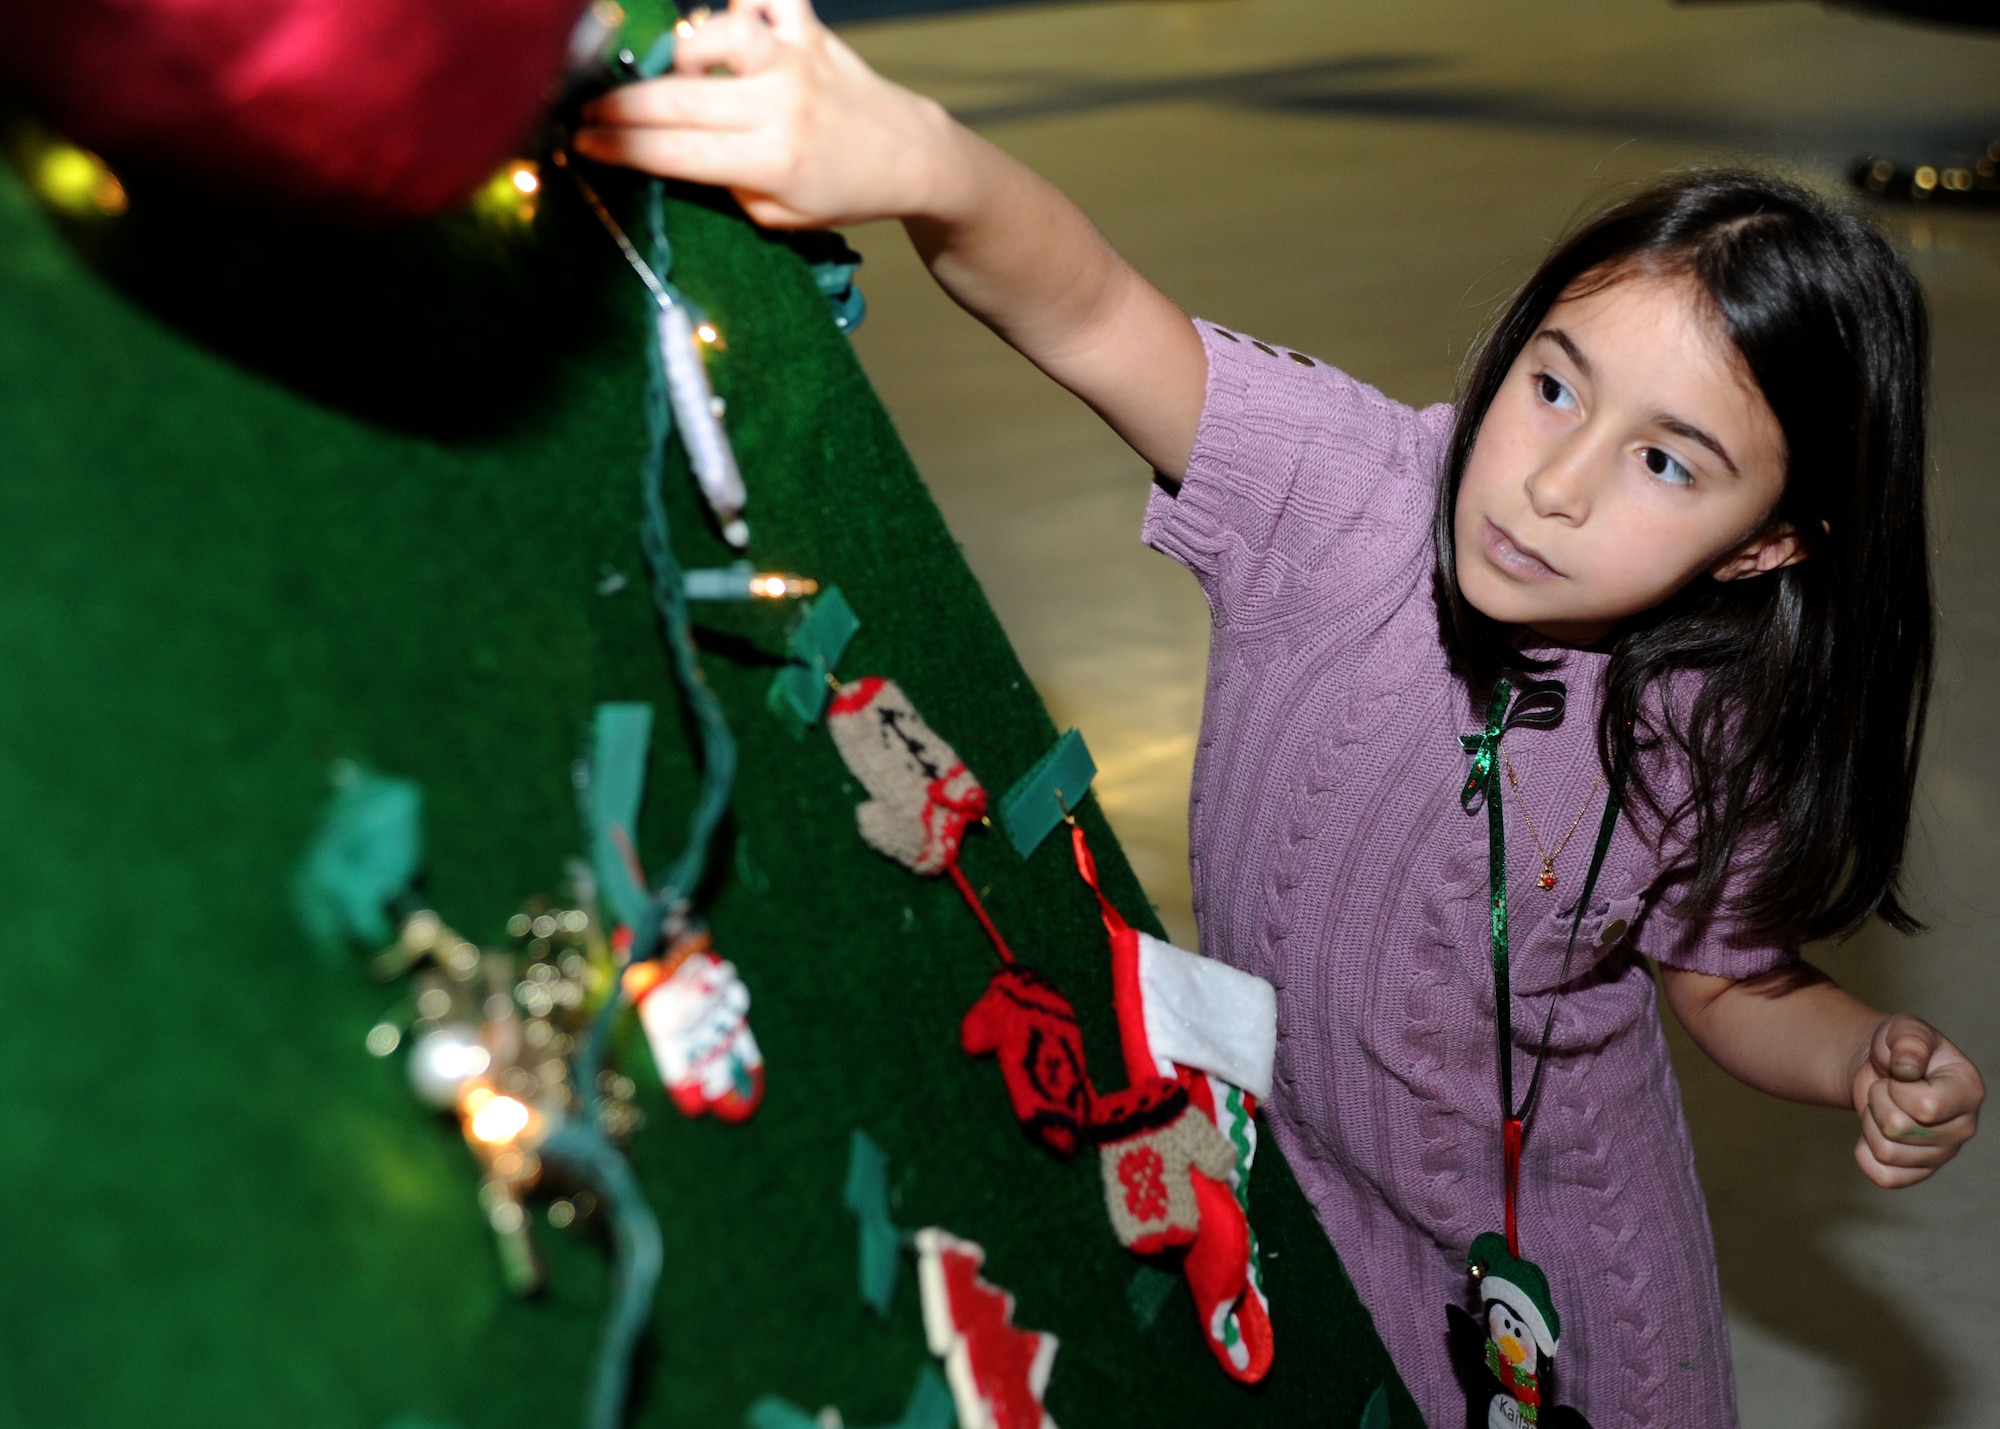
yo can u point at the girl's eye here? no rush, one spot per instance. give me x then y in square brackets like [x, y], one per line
[1666, 467]
[1551, 390]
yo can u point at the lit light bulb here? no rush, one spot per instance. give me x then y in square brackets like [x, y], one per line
[444, 1060]
[741, 582]
[509, 197]
[78, 183]
[708, 334]
[777, 587]
[499, 1119]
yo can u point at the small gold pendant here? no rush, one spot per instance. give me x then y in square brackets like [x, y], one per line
[1548, 878]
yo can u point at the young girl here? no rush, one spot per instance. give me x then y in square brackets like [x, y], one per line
[1655, 593]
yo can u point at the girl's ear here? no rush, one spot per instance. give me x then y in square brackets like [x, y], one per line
[1767, 551]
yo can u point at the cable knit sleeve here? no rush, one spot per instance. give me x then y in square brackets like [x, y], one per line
[1298, 465]
[1715, 944]
[1715, 941]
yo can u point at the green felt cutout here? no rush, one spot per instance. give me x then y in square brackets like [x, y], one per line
[367, 515]
[881, 1242]
[771, 1412]
[1376, 1414]
[1055, 786]
[364, 856]
[930, 1407]
[1147, 1293]
[820, 637]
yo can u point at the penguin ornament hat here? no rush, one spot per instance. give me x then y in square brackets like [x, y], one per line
[1507, 1353]
[1514, 1299]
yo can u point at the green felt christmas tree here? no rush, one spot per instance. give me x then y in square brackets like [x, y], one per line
[285, 498]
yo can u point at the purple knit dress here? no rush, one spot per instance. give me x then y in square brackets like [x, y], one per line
[1331, 856]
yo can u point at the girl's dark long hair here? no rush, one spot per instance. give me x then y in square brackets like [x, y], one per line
[1801, 711]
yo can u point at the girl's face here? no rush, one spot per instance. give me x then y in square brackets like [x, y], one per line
[1627, 453]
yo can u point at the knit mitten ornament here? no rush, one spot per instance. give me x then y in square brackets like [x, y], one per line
[921, 795]
[1153, 1145]
[997, 1371]
[1031, 1027]
[695, 1010]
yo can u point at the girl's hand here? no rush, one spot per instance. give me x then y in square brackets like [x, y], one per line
[1918, 1098]
[807, 136]
[767, 102]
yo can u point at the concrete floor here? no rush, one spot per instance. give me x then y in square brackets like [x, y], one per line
[1364, 181]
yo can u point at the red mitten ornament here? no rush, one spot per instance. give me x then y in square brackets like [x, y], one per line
[997, 1372]
[921, 795]
[696, 1012]
[1031, 1027]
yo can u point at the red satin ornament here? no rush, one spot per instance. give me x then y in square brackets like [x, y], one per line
[361, 109]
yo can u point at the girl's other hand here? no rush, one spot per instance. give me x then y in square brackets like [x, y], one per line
[767, 102]
[1918, 1098]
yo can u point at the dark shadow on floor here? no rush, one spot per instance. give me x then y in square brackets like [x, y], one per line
[1779, 1178]
[1354, 87]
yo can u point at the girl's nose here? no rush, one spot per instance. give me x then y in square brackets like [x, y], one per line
[1561, 487]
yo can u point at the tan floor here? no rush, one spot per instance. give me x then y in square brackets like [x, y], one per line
[1364, 181]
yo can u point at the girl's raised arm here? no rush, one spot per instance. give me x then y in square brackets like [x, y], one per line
[770, 104]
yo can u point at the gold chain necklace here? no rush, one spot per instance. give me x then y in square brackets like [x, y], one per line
[1547, 878]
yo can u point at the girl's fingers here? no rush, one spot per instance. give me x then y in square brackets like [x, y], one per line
[1889, 1177]
[791, 19]
[687, 101]
[738, 41]
[1896, 1121]
[1903, 1047]
[1903, 1154]
[704, 156]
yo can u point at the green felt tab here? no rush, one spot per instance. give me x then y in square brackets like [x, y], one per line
[659, 56]
[881, 1243]
[364, 856]
[771, 1412]
[798, 695]
[1041, 797]
[620, 736]
[1147, 1294]
[930, 1405]
[1375, 1415]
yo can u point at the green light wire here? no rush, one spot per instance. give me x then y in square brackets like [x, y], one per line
[636, 1234]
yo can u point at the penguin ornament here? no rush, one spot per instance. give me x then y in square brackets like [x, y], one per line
[1505, 1356]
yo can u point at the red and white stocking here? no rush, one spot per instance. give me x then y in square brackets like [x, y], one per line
[1209, 1032]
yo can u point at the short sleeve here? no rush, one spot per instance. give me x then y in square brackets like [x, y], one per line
[1713, 942]
[1296, 463]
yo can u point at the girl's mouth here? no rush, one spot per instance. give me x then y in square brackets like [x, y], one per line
[1514, 558]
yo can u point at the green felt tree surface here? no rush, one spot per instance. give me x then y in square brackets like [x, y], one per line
[280, 496]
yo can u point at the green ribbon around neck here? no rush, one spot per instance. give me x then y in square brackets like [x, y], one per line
[1540, 705]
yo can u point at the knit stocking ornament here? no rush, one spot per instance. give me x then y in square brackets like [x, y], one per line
[1031, 1028]
[921, 795]
[1176, 1147]
[696, 1012]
